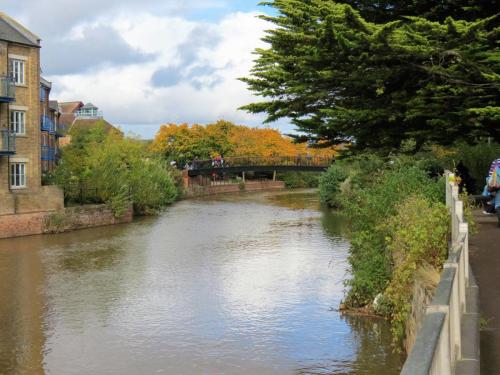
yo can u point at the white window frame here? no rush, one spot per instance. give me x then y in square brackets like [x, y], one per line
[18, 71]
[18, 121]
[18, 175]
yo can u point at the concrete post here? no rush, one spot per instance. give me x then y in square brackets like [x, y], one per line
[274, 176]
[243, 175]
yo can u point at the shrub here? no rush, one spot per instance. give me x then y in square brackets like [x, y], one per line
[417, 237]
[118, 171]
[477, 160]
[368, 209]
[330, 182]
[294, 180]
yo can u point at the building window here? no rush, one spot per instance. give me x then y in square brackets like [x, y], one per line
[17, 69]
[18, 122]
[18, 175]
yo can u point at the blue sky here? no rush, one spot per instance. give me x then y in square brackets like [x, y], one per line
[149, 62]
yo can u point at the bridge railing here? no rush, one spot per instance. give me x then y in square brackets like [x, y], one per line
[448, 340]
[300, 161]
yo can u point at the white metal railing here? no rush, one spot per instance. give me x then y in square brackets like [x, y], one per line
[84, 114]
[438, 345]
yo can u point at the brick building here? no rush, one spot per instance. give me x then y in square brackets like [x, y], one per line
[49, 127]
[20, 111]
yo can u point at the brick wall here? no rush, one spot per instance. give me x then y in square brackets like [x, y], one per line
[33, 198]
[68, 219]
[235, 188]
[28, 96]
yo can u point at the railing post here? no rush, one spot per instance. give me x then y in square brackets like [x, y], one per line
[457, 218]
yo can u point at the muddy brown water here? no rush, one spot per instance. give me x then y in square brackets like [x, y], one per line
[243, 284]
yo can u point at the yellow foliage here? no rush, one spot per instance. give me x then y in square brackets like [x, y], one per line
[186, 142]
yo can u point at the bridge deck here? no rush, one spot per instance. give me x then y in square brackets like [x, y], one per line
[255, 168]
[258, 164]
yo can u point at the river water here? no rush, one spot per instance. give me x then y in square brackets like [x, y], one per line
[244, 284]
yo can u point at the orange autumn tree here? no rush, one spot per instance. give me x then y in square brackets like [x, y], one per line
[187, 142]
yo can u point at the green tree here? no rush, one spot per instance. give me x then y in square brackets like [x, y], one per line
[340, 78]
[116, 170]
[390, 10]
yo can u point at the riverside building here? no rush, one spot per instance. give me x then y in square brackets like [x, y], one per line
[21, 190]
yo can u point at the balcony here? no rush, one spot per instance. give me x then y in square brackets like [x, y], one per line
[7, 142]
[7, 89]
[61, 130]
[43, 94]
[88, 114]
[46, 124]
[48, 153]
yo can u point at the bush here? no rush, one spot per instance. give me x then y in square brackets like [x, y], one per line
[477, 159]
[330, 182]
[417, 237]
[151, 187]
[294, 180]
[368, 209]
[117, 170]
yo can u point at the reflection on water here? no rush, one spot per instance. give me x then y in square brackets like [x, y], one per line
[242, 284]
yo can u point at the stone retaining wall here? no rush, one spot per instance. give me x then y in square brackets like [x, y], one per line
[67, 219]
[249, 186]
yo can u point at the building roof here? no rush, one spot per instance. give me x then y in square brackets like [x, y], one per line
[45, 83]
[68, 110]
[13, 31]
[70, 107]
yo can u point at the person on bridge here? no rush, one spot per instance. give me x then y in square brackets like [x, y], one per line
[492, 188]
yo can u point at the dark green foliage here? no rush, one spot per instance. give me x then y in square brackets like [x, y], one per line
[369, 189]
[295, 180]
[389, 10]
[345, 80]
[477, 159]
[368, 208]
[330, 184]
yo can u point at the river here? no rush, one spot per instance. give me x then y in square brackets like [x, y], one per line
[242, 284]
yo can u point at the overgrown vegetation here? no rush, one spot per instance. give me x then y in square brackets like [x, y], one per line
[417, 238]
[399, 224]
[477, 159]
[103, 166]
[295, 180]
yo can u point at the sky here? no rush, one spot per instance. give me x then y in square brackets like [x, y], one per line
[149, 62]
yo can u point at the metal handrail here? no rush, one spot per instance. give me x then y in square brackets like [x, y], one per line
[7, 88]
[48, 152]
[85, 114]
[299, 160]
[46, 124]
[7, 141]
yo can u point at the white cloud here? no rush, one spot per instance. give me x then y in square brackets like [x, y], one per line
[146, 63]
[127, 93]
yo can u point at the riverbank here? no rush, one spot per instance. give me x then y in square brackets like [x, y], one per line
[247, 186]
[64, 220]
[89, 215]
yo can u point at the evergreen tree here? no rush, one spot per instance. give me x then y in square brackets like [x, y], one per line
[342, 79]
[390, 10]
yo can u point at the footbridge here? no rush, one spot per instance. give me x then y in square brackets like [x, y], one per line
[238, 165]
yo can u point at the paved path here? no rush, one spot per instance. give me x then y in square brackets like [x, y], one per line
[484, 257]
